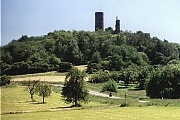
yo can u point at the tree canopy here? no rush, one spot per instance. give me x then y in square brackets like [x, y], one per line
[44, 53]
[74, 90]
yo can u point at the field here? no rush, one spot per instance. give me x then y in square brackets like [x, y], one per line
[47, 76]
[16, 103]
[128, 113]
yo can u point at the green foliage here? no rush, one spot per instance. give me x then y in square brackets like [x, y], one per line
[26, 67]
[93, 67]
[165, 82]
[96, 57]
[44, 90]
[5, 80]
[110, 85]
[74, 90]
[68, 50]
[109, 29]
[65, 66]
[113, 52]
[115, 62]
[99, 78]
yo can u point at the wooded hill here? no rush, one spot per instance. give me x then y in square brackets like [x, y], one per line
[149, 62]
[114, 51]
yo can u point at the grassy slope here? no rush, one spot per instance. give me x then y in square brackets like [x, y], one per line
[16, 99]
[128, 113]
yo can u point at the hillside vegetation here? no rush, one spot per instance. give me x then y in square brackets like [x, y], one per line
[138, 58]
[114, 51]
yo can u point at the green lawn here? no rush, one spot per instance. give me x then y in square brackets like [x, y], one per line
[16, 99]
[127, 113]
[16, 105]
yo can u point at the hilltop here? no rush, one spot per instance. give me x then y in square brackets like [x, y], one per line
[44, 53]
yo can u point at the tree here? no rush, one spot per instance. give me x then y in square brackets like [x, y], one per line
[64, 66]
[115, 62]
[110, 85]
[44, 90]
[164, 80]
[31, 87]
[74, 89]
[96, 57]
[109, 29]
[4, 80]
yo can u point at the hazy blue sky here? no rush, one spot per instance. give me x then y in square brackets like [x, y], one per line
[160, 18]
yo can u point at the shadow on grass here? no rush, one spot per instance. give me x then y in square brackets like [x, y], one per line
[122, 87]
[37, 102]
[67, 107]
[64, 107]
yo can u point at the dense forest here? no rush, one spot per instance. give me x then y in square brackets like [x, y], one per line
[133, 57]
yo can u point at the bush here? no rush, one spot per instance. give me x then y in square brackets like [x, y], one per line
[164, 82]
[65, 66]
[93, 67]
[111, 86]
[5, 80]
[19, 68]
[100, 78]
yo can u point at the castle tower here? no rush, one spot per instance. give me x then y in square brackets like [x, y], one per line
[117, 26]
[99, 21]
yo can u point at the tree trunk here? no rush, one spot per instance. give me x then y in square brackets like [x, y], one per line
[43, 99]
[75, 101]
[32, 98]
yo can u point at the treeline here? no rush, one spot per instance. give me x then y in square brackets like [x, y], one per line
[130, 57]
[160, 81]
[110, 51]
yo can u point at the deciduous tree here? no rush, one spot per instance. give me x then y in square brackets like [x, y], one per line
[74, 90]
[31, 87]
[44, 90]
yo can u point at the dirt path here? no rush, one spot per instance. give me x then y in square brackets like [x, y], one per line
[91, 92]
[101, 94]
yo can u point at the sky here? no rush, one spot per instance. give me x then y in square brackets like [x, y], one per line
[160, 18]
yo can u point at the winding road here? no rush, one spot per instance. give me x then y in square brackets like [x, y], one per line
[91, 92]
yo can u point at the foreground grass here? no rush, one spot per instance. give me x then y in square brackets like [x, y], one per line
[127, 113]
[16, 105]
[17, 100]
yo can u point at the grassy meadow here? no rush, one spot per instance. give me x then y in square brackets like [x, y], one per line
[16, 103]
[127, 113]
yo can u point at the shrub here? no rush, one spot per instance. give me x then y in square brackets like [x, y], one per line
[5, 80]
[111, 86]
[93, 67]
[100, 78]
[65, 66]
[164, 82]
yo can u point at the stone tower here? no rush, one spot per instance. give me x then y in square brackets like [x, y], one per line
[99, 21]
[117, 26]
